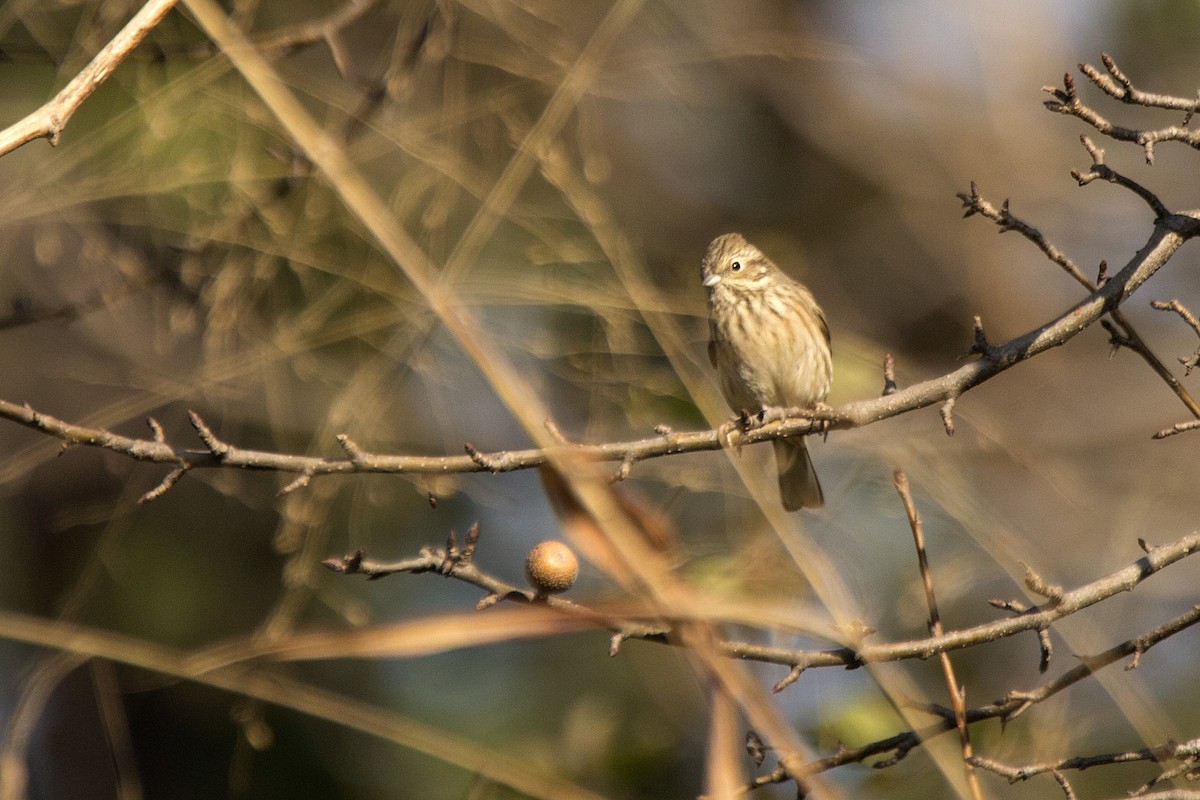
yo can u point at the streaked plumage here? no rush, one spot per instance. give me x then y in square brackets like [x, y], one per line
[770, 347]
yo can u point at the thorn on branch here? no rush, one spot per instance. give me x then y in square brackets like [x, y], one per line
[1179, 427]
[974, 202]
[215, 446]
[1014, 606]
[1045, 645]
[1064, 97]
[302, 480]
[623, 471]
[1101, 171]
[555, 433]
[756, 748]
[166, 483]
[348, 564]
[160, 436]
[1047, 649]
[353, 452]
[902, 750]
[787, 680]
[947, 413]
[1095, 152]
[979, 342]
[1102, 273]
[1179, 308]
[1116, 339]
[1039, 586]
[889, 374]
[357, 563]
[1024, 702]
[492, 464]
[456, 556]
[1064, 784]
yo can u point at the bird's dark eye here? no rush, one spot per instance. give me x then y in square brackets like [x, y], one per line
[736, 266]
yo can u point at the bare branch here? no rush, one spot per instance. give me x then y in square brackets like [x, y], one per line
[1117, 85]
[1101, 171]
[1179, 308]
[957, 701]
[901, 744]
[49, 120]
[1188, 752]
[1179, 427]
[947, 413]
[889, 375]
[855, 654]
[975, 203]
[1045, 644]
[1120, 87]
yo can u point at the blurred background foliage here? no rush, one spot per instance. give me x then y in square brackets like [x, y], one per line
[175, 252]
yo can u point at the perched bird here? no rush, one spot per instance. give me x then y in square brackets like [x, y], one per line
[770, 346]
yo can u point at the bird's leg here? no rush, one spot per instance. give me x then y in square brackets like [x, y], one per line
[770, 414]
[822, 425]
[776, 413]
[742, 423]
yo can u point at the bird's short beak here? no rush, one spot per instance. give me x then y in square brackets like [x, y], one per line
[711, 280]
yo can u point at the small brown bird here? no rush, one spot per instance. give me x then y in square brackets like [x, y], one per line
[770, 347]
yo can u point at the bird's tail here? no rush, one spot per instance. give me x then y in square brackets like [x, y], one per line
[798, 484]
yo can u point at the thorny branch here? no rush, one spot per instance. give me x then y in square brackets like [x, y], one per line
[1187, 316]
[1186, 752]
[1006, 709]
[975, 203]
[1117, 85]
[854, 654]
[957, 691]
[455, 561]
[49, 120]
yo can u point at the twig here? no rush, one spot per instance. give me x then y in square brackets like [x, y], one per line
[889, 375]
[1066, 101]
[456, 562]
[1179, 308]
[1045, 645]
[1101, 171]
[901, 744]
[1065, 785]
[1120, 87]
[1187, 752]
[1017, 703]
[49, 120]
[1179, 427]
[975, 203]
[917, 525]
[851, 656]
